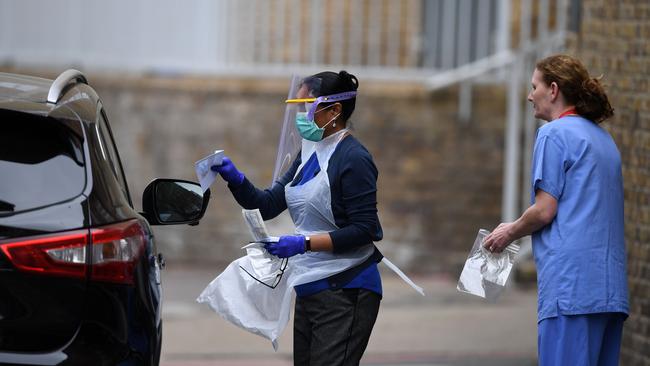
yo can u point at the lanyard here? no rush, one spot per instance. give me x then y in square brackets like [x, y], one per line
[569, 112]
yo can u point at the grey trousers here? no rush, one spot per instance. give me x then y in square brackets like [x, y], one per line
[333, 327]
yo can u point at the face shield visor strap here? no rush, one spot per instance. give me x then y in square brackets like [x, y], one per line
[329, 99]
[278, 275]
[312, 103]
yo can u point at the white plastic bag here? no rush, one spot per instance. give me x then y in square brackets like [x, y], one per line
[245, 302]
[485, 273]
[251, 292]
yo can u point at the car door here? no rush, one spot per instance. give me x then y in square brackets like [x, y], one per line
[151, 258]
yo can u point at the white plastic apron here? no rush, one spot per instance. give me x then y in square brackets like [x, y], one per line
[252, 306]
[310, 206]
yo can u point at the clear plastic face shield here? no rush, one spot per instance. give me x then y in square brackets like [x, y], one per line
[304, 96]
[290, 139]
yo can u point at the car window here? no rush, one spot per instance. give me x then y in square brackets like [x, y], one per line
[41, 162]
[110, 153]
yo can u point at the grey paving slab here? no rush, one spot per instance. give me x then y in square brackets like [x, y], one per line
[444, 328]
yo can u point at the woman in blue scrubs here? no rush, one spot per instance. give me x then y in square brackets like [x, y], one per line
[576, 219]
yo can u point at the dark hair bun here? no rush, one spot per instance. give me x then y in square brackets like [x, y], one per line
[350, 80]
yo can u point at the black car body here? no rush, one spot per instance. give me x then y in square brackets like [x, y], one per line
[79, 269]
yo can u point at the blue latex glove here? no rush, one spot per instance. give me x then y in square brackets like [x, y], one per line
[287, 246]
[229, 172]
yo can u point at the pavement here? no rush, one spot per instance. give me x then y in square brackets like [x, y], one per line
[444, 328]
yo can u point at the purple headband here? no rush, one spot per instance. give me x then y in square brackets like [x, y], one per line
[329, 99]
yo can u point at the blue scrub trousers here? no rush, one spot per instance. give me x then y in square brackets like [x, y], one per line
[580, 340]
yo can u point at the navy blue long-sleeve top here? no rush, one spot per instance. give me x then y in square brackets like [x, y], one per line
[353, 185]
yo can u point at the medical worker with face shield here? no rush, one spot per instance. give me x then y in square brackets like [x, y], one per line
[330, 191]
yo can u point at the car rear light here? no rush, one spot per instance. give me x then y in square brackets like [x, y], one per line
[115, 251]
[61, 254]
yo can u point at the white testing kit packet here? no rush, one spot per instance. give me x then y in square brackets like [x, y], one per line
[203, 172]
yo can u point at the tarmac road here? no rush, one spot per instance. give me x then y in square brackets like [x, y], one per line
[445, 328]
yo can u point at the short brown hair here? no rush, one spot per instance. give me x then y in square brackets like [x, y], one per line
[587, 94]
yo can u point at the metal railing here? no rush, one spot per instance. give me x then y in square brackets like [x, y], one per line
[384, 39]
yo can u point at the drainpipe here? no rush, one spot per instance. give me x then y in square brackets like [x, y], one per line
[509, 206]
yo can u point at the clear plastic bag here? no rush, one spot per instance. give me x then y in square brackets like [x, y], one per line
[485, 273]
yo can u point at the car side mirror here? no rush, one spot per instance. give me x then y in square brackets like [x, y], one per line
[174, 202]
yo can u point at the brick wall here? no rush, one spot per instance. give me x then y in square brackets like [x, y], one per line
[614, 40]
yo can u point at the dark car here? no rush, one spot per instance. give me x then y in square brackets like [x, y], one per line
[79, 268]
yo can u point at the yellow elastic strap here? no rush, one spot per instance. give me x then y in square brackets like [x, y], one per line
[303, 100]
